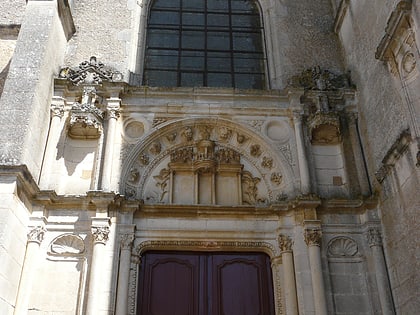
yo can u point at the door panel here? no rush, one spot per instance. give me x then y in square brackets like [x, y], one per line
[179, 283]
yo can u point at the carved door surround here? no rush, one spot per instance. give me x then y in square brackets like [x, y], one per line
[208, 161]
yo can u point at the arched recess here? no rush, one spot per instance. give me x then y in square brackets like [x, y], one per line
[208, 161]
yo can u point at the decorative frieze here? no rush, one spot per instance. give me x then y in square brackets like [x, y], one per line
[320, 79]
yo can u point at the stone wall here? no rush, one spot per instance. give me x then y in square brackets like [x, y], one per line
[12, 12]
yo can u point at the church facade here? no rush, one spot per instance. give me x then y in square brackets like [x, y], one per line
[209, 157]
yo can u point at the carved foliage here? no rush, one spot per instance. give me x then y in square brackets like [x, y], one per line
[100, 234]
[162, 183]
[285, 243]
[313, 237]
[374, 237]
[36, 234]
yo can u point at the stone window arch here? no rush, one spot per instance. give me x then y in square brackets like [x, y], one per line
[204, 43]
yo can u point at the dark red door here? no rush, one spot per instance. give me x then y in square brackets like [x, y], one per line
[187, 283]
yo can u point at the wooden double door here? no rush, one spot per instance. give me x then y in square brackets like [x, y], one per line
[195, 283]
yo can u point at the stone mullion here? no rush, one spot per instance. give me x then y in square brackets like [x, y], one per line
[313, 241]
[35, 237]
[381, 274]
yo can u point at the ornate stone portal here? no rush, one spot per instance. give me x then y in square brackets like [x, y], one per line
[200, 162]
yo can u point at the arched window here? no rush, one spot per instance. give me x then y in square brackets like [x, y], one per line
[214, 43]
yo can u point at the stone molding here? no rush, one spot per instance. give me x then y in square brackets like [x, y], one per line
[340, 15]
[206, 245]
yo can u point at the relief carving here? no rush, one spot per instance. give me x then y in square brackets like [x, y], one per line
[342, 247]
[100, 234]
[374, 237]
[155, 148]
[187, 134]
[324, 128]
[313, 237]
[320, 79]
[205, 132]
[267, 162]
[255, 150]
[162, 183]
[240, 138]
[90, 72]
[182, 155]
[67, 244]
[224, 134]
[250, 189]
[171, 137]
[144, 159]
[276, 178]
[134, 175]
[285, 243]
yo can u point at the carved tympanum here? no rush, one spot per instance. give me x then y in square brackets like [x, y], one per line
[374, 237]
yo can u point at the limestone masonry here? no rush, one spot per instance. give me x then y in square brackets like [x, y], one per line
[143, 141]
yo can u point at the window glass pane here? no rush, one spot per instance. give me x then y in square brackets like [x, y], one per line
[244, 6]
[163, 38]
[218, 41]
[195, 19]
[193, 5]
[217, 61]
[161, 78]
[218, 20]
[218, 5]
[219, 79]
[162, 59]
[193, 40]
[241, 21]
[249, 81]
[246, 41]
[191, 79]
[249, 63]
[192, 60]
[164, 18]
[166, 4]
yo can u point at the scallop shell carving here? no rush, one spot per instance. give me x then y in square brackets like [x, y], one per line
[342, 247]
[68, 244]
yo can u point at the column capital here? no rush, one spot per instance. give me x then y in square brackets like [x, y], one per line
[126, 241]
[57, 109]
[374, 237]
[313, 237]
[113, 112]
[285, 243]
[100, 234]
[297, 115]
[36, 234]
